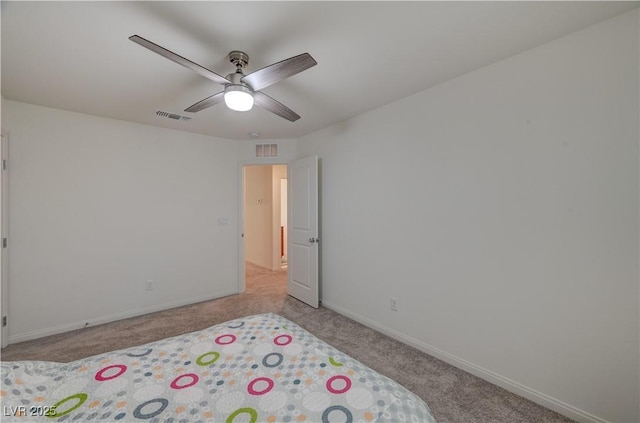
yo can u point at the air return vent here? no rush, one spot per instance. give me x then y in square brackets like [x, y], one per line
[172, 116]
[266, 150]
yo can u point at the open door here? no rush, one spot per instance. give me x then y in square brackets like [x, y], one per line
[302, 222]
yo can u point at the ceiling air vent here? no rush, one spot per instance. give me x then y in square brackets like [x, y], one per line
[266, 150]
[172, 116]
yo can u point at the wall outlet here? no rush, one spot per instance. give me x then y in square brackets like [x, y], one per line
[393, 304]
[149, 285]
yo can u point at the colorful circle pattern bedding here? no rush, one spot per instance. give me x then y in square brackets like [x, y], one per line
[261, 368]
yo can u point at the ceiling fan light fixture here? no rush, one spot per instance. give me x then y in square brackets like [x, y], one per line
[240, 90]
[238, 97]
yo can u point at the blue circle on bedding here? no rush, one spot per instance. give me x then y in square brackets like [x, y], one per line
[265, 360]
[236, 326]
[347, 414]
[137, 413]
[141, 355]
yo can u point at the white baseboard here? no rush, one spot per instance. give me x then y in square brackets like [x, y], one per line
[27, 336]
[508, 384]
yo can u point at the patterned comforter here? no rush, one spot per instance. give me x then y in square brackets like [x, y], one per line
[261, 368]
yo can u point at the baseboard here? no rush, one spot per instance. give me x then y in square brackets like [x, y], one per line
[506, 383]
[13, 339]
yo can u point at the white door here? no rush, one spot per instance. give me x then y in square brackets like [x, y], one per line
[302, 220]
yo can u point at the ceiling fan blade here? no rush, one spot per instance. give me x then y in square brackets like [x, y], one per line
[179, 60]
[274, 106]
[207, 102]
[262, 78]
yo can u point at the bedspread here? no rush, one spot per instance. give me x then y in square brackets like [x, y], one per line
[261, 368]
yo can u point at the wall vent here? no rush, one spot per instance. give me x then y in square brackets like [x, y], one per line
[266, 150]
[172, 116]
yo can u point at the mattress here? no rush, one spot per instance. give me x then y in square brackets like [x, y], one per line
[261, 368]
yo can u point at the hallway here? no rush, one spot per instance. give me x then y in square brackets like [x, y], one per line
[260, 280]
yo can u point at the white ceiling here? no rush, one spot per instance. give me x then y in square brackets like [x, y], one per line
[76, 55]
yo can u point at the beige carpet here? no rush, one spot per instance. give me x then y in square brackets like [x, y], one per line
[453, 395]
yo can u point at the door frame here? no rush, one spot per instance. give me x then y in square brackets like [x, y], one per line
[241, 165]
[4, 232]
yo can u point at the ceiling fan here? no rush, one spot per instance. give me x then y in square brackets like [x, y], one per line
[241, 91]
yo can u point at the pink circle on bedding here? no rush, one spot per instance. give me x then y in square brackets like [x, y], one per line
[100, 375]
[221, 341]
[194, 380]
[347, 384]
[251, 388]
[287, 341]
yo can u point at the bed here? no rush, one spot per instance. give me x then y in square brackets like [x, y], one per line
[261, 368]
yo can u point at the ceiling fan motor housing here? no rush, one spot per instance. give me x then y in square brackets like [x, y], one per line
[239, 58]
[235, 79]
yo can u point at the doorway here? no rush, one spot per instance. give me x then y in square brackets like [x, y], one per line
[265, 228]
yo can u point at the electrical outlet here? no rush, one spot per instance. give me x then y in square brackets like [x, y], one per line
[393, 304]
[149, 285]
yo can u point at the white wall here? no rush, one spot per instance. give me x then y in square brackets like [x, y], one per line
[99, 206]
[510, 199]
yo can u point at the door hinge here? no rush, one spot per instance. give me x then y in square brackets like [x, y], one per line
[4, 321]
[4, 242]
[4, 164]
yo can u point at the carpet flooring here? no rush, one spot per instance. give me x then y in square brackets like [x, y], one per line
[453, 395]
